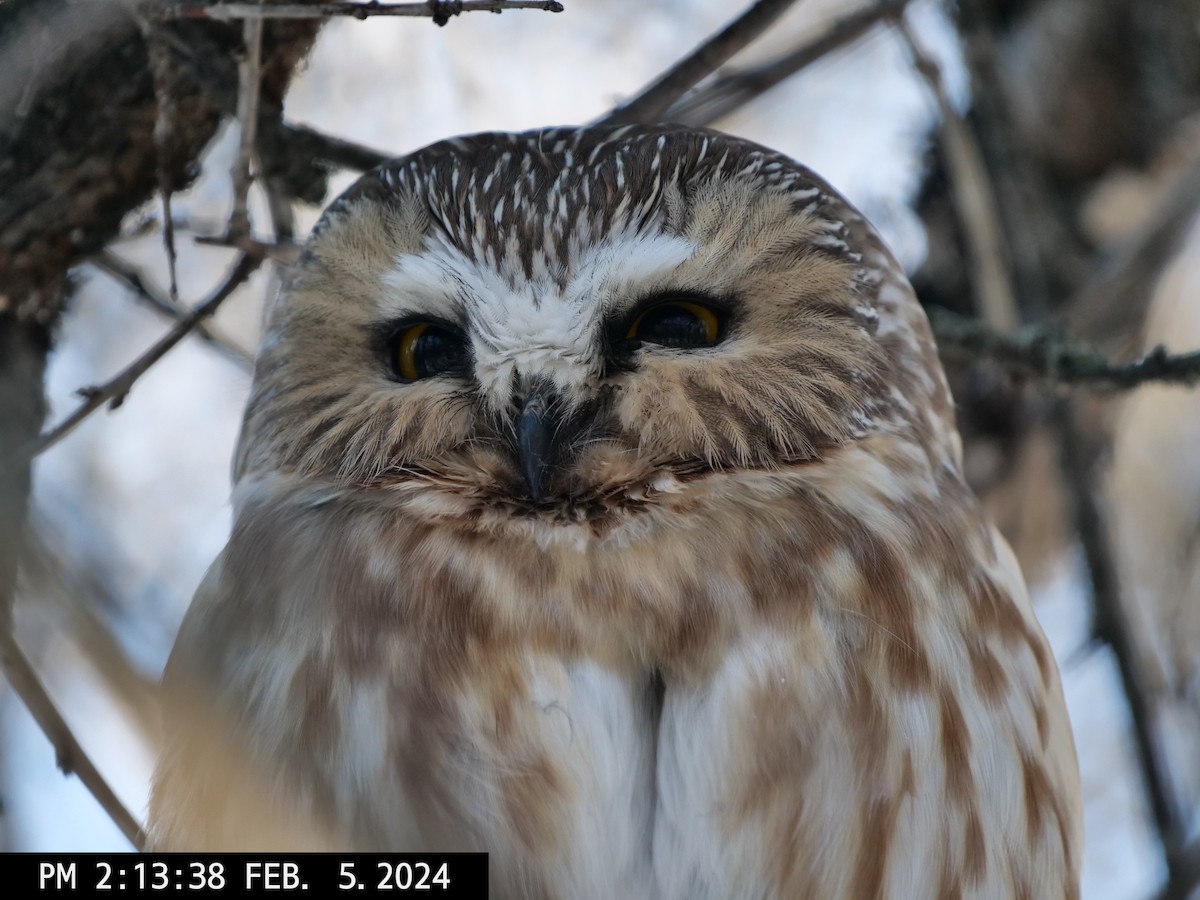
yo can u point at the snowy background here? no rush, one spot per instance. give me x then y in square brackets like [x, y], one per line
[135, 503]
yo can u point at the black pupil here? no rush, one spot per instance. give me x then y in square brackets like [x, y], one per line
[437, 351]
[673, 326]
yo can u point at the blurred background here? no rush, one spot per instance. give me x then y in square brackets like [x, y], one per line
[1035, 165]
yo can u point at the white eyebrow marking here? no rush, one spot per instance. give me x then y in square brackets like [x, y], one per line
[545, 326]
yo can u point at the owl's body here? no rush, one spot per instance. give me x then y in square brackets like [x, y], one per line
[652, 572]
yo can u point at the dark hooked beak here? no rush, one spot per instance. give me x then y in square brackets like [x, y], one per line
[536, 428]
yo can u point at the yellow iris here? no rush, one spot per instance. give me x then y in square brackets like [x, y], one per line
[406, 351]
[705, 316]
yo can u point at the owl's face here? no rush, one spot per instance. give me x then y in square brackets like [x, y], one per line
[569, 325]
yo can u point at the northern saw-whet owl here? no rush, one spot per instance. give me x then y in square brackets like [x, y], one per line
[599, 505]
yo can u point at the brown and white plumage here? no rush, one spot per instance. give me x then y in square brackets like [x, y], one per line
[640, 619]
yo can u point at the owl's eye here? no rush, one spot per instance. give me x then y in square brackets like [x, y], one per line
[425, 349]
[684, 324]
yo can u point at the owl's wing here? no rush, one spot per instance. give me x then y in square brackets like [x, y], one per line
[908, 738]
[208, 794]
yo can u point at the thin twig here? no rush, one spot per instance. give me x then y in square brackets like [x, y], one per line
[114, 391]
[974, 198]
[249, 83]
[150, 220]
[283, 252]
[438, 10]
[1110, 624]
[164, 119]
[653, 101]
[347, 154]
[1044, 354]
[133, 279]
[279, 208]
[728, 93]
[71, 756]
[1046, 255]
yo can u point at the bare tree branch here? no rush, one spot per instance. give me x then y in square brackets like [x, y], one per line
[297, 142]
[133, 279]
[249, 77]
[1046, 253]
[83, 155]
[438, 10]
[279, 207]
[71, 756]
[655, 100]
[335, 150]
[283, 252]
[1043, 354]
[115, 390]
[164, 116]
[730, 92]
[23, 349]
[1110, 624]
[974, 197]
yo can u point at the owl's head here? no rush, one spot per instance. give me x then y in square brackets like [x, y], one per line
[568, 324]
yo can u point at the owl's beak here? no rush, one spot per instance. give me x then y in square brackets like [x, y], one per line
[535, 430]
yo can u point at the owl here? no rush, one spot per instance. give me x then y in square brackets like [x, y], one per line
[599, 505]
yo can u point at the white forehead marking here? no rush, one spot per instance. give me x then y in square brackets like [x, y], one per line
[419, 285]
[538, 327]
